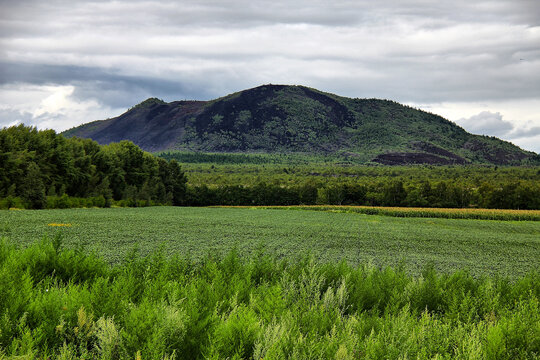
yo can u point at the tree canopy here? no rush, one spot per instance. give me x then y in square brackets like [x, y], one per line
[35, 164]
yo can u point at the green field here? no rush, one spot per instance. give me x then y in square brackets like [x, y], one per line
[57, 302]
[484, 247]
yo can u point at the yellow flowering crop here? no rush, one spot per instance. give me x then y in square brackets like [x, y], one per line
[451, 213]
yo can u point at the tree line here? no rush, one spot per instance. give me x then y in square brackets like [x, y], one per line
[440, 194]
[42, 169]
[335, 183]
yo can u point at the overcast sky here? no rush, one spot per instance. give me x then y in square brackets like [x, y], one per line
[477, 63]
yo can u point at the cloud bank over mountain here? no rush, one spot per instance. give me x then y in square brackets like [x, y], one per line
[477, 63]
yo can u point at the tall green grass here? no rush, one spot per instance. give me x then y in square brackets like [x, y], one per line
[67, 304]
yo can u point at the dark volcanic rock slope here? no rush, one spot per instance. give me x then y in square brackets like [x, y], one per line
[280, 118]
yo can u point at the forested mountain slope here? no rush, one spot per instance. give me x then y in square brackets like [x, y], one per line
[297, 119]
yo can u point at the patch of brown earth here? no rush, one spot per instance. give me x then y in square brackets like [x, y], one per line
[403, 158]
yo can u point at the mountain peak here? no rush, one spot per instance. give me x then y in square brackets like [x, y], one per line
[297, 119]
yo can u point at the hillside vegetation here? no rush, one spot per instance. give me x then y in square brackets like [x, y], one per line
[301, 120]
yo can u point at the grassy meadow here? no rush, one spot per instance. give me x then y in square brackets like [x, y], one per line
[484, 247]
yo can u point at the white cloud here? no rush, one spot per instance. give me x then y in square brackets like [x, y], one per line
[486, 123]
[531, 143]
[57, 102]
[51, 107]
[517, 121]
[526, 133]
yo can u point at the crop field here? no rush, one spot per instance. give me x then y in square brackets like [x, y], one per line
[484, 247]
[452, 213]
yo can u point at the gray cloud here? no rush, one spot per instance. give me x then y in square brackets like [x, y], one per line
[109, 87]
[525, 133]
[119, 53]
[9, 117]
[246, 13]
[493, 124]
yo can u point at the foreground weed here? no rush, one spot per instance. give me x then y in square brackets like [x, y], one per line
[57, 303]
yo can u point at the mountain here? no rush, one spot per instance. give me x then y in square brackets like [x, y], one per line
[298, 119]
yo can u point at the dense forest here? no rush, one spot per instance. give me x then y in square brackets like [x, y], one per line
[442, 194]
[268, 179]
[42, 169]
